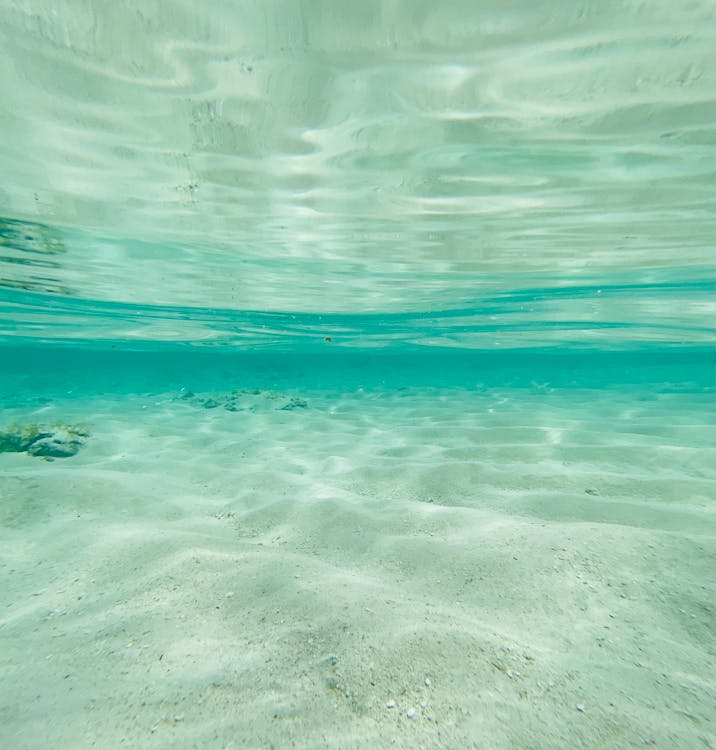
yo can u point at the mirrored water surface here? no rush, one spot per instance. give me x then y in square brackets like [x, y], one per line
[472, 174]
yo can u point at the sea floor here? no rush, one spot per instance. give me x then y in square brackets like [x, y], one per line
[406, 568]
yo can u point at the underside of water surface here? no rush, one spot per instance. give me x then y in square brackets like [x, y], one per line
[471, 175]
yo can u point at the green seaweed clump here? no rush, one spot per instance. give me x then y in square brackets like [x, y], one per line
[59, 441]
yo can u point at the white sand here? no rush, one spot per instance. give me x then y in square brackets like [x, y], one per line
[199, 578]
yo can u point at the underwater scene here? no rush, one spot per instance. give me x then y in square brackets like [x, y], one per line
[357, 375]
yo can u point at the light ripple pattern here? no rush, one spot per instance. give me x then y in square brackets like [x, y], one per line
[334, 157]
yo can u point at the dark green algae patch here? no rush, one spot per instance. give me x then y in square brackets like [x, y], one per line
[58, 441]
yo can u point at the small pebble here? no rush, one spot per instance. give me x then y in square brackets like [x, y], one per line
[390, 704]
[410, 713]
[581, 708]
[428, 681]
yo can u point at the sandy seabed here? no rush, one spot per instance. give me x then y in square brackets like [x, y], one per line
[417, 568]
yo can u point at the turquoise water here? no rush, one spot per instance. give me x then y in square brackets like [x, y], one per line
[666, 307]
[357, 374]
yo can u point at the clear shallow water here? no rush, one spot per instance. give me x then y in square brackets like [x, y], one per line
[385, 335]
[350, 551]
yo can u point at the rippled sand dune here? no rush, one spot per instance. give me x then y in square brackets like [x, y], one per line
[416, 568]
